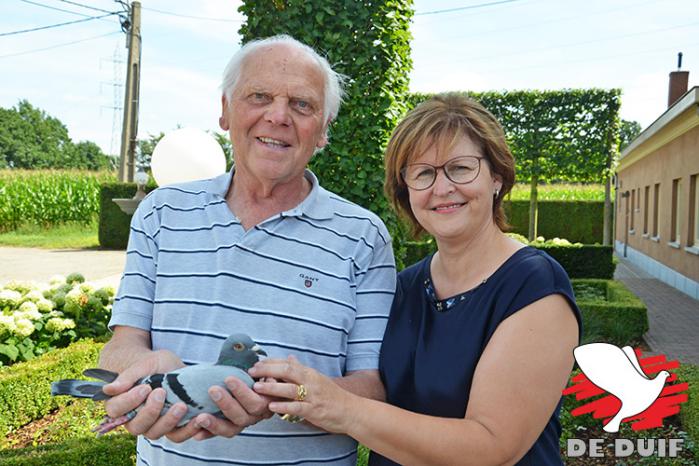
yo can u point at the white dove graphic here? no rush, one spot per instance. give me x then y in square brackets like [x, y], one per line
[618, 372]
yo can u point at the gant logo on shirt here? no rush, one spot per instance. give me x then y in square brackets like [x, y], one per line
[308, 280]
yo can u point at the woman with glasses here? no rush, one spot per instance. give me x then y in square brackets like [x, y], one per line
[479, 343]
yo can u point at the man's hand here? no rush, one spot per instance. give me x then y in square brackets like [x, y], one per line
[126, 397]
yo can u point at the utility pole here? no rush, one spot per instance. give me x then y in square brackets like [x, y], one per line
[132, 27]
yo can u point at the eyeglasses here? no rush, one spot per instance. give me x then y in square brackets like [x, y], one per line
[459, 170]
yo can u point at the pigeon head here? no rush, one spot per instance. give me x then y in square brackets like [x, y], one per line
[239, 350]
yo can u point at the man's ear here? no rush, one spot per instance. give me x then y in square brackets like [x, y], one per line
[223, 119]
[323, 141]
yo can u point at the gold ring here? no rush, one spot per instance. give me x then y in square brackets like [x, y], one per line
[292, 418]
[301, 392]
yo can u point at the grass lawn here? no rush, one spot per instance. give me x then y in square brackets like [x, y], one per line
[560, 192]
[65, 236]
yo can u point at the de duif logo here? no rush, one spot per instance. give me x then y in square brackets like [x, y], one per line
[621, 386]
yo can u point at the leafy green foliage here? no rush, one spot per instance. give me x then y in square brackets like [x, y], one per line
[49, 197]
[689, 413]
[113, 223]
[86, 451]
[586, 226]
[628, 132]
[30, 138]
[368, 41]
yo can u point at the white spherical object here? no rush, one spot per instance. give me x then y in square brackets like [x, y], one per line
[187, 154]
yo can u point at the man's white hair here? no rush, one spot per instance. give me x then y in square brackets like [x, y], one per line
[334, 81]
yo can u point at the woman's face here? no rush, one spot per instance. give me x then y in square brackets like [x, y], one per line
[451, 211]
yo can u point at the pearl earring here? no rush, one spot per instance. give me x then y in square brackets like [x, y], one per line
[497, 193]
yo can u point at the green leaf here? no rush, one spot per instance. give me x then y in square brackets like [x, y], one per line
[10, 351]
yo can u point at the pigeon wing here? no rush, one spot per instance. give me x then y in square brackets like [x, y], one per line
[631, 354]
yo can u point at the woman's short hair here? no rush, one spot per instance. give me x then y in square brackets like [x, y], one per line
[332, 92]
[442, 120]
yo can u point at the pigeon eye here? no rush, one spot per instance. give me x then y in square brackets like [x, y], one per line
[239, 347]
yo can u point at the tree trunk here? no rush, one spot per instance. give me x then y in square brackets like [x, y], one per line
[608, 212]
[533, 207]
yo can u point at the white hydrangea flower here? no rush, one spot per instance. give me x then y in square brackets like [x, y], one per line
[25, 327]
[87, 287]
[9, 297]
[45, 305]
[34, 295]
[29, 311]
[7, 324]
[541, 239]
[57, 280]
[56, 324]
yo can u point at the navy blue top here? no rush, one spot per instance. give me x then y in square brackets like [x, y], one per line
[431, 347]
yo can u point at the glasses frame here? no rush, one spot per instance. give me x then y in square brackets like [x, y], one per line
[441, 167]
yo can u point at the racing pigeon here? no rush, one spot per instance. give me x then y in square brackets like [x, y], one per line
[189, 384]
[617, 371]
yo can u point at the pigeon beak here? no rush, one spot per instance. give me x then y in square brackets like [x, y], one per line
[258, 350]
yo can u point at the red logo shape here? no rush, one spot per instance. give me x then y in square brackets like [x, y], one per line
[308, 283]
[605, 407]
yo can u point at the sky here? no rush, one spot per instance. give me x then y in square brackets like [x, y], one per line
[76, 72]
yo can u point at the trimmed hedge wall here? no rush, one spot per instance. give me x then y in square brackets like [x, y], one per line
[587, 261]
[114, 224]
[620, 319]
[25, 388]
[689, 411]
[576, 221]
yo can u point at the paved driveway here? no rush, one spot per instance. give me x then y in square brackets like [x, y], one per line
[27, 264]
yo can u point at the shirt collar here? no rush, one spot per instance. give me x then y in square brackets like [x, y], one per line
[316, 205]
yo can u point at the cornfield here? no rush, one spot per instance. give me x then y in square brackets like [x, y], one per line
[49, 197]
[560, 192]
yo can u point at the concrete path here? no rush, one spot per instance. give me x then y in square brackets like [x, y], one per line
[39, 265]
[672, 315]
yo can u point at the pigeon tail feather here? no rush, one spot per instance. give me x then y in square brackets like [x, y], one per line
[78, 389]
[101, 374]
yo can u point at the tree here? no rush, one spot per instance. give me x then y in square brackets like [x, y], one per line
[30, 138]
[628, 132]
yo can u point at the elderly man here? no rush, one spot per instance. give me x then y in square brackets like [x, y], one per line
[262, 250]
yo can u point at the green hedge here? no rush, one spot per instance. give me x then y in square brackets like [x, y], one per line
[621, 318]
[25, 388]
[114, 224]
[576, 221]
[113, 450]
[689, 411]
[586, 261]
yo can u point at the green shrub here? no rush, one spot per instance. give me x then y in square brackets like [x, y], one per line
[610, 313]
[689, 411]
[585, 225]
[88, 451]
[114, 224]
[49, 197]
[586, 261]
[25, 388]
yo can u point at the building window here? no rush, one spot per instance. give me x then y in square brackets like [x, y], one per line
[676, 230]
[694, 211]
[656, 205]
[633, 210]
[645, 210]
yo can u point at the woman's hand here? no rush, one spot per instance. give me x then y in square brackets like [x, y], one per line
[304, 392]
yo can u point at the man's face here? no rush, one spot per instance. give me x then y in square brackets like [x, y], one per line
[275, 119]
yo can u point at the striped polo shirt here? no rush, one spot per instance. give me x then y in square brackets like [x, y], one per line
[315, 281]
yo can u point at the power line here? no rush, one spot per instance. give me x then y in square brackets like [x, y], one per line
[84, 6]
[204, 18]
[470, 7]
[54, 8]
[26, 52]
[55, 25]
